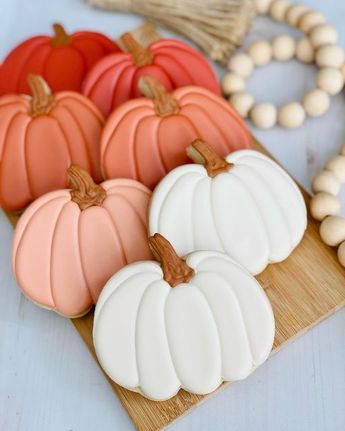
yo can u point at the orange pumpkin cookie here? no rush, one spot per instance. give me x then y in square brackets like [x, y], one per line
[114, 79]
[62, 60]
[69, 242]
[147, 137]
[40, 136]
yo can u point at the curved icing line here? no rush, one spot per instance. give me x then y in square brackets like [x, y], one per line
[130, 142]
[167, 44]
[117, 83]
[276, 201]
[158, 146]
[25, 160]
[86, 143]
[81, 259]
[120, 196]
[136, 185]
[213, 214]
[193, 210]
[116, 230]
[84, 101]
[289, 182]
[173, 59]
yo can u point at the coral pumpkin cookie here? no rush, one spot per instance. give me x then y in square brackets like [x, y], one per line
[114, 79]
[244, 205]
[187, 324]
[40, 136]
[62, 60]
[147, 137]
[69, 242]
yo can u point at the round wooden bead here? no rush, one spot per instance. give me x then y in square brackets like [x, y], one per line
[326, 181]
[294, 13]
[330, 80]
[329, 56]
[242, 103]
[324, 204]
[337, 165]
[260, 52]
[264, 115]
[305, 51]
[309, 20]
[283, 47]
[262, 6]
[232, 83]
[241, 64]
[341, 254]
[323, 34]
[291, 115]
[316, 102]
[332, 230]
[278, 9]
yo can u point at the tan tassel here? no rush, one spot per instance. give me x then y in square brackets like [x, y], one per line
[216, 26]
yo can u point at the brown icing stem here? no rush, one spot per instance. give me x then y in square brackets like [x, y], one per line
[42, 100]
[163, 101]
[202, 153]
[85, 192]
[61, 38]
[175, 269]
[141, 56]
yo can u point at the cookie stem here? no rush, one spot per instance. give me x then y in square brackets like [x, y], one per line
[61, 38]
[85, 192]
[42, 98]
[141, 56]
[175, 269]
[202, 153]
[163, 101]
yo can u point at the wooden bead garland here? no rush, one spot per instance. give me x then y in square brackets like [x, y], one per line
[318, 45]
[325, 206]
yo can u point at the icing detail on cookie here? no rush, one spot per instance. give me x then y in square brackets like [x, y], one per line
[42, 99]
[163, 101]
[151, 338]
[85, 192]
[254, 212]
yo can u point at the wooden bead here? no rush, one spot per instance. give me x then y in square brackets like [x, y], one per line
[232, 83]
[316, 102]
[326, 181]
[332, 230]
[337, 165]
[260, 52]
[262, 6]
[278, 9]
[294, 13]
[241, 64]
[283, 47]
[329, 56]
[324, 204]
[341, 254]
[291, 115]
[305, 51]
[264, 115]
[330, 80]
[242, 103]
[309, 20]
[323, 34]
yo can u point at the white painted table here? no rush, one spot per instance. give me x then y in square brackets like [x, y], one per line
[48, 379]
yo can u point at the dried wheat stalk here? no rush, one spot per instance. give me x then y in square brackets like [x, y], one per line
[217, 26]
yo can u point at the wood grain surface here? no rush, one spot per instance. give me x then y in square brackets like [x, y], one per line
[303, 290]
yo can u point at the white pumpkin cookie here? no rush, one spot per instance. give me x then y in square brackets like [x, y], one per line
[188, 324]
[245, 206]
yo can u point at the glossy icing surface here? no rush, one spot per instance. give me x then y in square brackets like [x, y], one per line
[255, 212]
[62, 256]
[114, 79]
[35, 152]
[137, 143]
[63, 67]
[155, 339]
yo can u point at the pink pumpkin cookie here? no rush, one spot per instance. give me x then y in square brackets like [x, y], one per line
[69, 242]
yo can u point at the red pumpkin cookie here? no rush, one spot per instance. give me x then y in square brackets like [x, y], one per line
[114, 79]
[69, 242]
[40, 136]
[147, 137]
[62, 60]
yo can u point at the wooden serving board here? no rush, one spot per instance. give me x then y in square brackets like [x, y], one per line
[303, 290]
